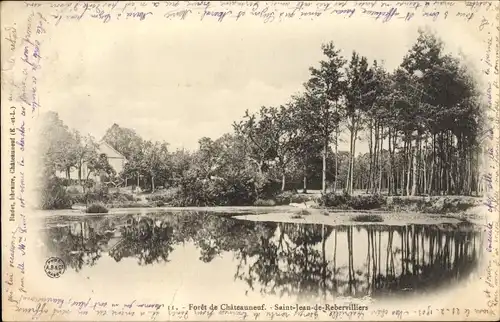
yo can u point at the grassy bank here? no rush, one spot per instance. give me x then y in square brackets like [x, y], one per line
[329, 202]
[342, 202]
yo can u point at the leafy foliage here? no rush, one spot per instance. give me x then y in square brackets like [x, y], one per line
[96, 208]
[368, 218]
[53, 195]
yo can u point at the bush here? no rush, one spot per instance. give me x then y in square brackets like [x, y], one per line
[97, 195]
[303, 212]
[128, 205]
[78, 198]
[68, 182]
[160, 204]
[269, 189]
[299, 214]
[102, 195]
[284, 198]
[264, 202]
[73, 190]
[96, 208]
[366, 202]
[167, 196]
[120, 196]
[300, 198]
[194, 191]
[434, 205]
[363, 202]
[334, 200]
[54, 195]
[368, 218]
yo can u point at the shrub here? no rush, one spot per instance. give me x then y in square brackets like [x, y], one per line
[97, 195]
[264, 202]
[304, 212]
[300, 198]
[102, 195]
[54, 195]
[366, 202]
[269, 189]
[284, 198]
[96, 208]
[160, 204]
[435, 205]
[120, 196]
[196, 192]
[78, 198]
[73, 190]
[334, 200]
[166, 196]
[89, 183]
[128, 205]
[68, 182]
[368, 218]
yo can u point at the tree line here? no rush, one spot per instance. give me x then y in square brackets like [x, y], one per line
[422, 123]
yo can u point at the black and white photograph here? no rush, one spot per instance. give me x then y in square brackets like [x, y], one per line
[196, 160]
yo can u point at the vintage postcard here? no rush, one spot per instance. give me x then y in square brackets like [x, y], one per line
[250, 160]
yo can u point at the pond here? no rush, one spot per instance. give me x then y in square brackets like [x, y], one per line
[197, 252]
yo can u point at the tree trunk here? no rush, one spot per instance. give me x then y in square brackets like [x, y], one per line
[352, 163]
[415, 179]
[336, 159]
[381, 148]
[80, 173]
[349, 171]
[408, 171]
[323, 179]
[370, 153]
[430, 188]
[283, 178]
[152, 183]
[392, 188]
[304, 190]
[351, 158]
[424, 161]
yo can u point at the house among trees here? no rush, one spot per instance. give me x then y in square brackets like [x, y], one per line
[115, 159]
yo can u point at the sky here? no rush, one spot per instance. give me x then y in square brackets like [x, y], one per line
[183, 82]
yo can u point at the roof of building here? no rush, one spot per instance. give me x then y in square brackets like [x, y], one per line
[102, 142]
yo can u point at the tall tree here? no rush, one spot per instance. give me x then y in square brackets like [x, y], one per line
[360, 94]
[124, 140]
[256, 133]
[308, 143]
[284, 131]
[155, 162]
[85, 150]
[324, 92]
[130, 144]
[58, 146]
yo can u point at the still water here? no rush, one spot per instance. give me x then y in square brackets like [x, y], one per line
[283, 260]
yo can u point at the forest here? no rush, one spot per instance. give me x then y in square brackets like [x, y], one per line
[423, 123]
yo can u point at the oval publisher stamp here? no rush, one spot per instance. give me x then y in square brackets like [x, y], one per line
[54, 267]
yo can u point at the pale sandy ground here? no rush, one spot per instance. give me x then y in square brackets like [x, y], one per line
[288, 214]
[346, 218]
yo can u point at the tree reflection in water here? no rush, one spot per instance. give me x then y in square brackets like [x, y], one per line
[148, 240]
[429, 256]
[77, 244]
[304, 260]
